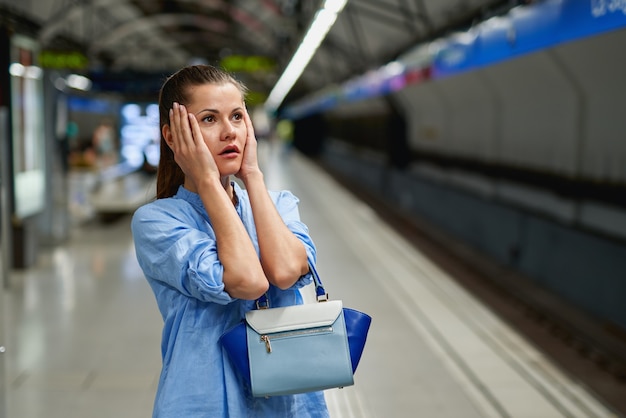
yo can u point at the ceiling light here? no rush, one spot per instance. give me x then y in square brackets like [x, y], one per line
[322, 22]
[78, 82]
[17, 70]
[26, 71]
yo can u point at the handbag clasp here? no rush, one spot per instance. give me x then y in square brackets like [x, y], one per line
[322, 298]
[263, 302]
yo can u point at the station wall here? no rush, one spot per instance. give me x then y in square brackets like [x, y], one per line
[556, 114]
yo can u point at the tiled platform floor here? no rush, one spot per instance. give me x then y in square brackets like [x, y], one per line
[83, 330]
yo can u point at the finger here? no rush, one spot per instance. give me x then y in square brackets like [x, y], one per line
[195, 131]
[172, 135]
[249, 127]
[176, 126]
[185, 129]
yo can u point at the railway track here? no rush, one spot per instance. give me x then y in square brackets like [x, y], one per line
[591, 351]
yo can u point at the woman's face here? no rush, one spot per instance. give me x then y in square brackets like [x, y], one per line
[219, 109]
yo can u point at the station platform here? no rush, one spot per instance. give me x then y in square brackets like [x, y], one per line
[84, 330]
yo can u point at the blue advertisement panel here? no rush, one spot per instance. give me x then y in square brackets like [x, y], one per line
[535, 28]
[526, 29]
[585, 18]
[457, 53]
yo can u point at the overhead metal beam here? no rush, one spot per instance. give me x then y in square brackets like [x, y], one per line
[58, 21]
[357, 33]
[382, 11]
[146, 23]
[422, 15]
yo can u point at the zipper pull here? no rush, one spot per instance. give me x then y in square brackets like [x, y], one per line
[266, 340]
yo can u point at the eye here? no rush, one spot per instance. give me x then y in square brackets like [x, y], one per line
[208, 118]
[238, 116]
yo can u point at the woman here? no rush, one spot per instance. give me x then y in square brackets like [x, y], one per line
[209, 248]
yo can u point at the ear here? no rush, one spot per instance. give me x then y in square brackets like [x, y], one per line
[167, 135]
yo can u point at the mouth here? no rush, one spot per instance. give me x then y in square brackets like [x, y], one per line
[230, 150]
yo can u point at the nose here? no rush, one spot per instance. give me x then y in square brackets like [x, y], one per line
[229, 131]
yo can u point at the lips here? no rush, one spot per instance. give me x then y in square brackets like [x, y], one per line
[230, 150]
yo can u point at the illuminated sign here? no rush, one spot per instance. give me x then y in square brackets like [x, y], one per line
[248, 64]
[255, 98]
[71, 60]
[140, 134]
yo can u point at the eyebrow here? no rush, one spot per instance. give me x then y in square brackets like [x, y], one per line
[237, 109]
[208, 110]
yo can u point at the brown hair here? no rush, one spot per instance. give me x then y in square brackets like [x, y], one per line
[175, 88]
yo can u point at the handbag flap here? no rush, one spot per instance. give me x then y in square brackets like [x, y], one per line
[289, 318]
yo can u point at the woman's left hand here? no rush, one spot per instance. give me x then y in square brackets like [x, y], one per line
[250, 163]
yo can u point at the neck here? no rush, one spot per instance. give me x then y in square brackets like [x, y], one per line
[226, 183]
[230, 191]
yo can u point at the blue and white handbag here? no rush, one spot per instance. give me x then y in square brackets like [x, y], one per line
[300, 348]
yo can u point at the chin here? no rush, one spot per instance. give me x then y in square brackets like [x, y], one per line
[230, 169]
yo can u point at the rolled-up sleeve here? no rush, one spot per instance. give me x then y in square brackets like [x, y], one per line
[171, 250]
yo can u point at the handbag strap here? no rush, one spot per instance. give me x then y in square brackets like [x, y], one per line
[320, 293]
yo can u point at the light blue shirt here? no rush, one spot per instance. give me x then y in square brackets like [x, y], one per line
[176, 248]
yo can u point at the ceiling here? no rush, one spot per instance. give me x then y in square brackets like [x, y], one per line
[159, 36]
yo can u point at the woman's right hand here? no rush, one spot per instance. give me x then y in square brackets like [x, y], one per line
[187, 143]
